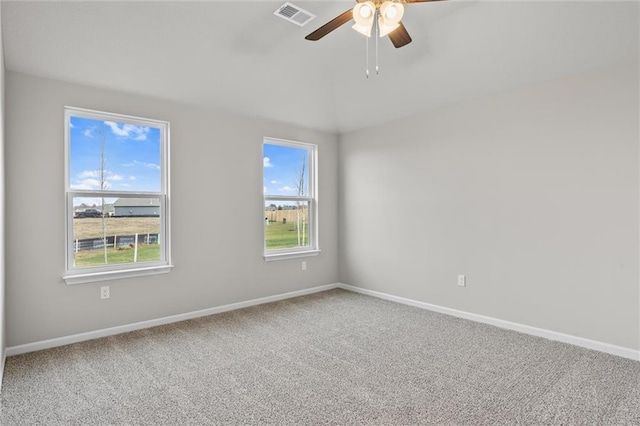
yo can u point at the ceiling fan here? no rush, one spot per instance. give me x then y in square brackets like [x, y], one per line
[384, 15]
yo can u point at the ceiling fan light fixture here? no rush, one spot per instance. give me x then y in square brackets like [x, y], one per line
[364, 11]
[389, 17]
[363, 14]
[391, 13]
[363, 29]
[385, 29]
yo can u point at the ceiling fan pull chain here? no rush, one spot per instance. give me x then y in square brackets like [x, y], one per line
[377, 37]
[366, 49]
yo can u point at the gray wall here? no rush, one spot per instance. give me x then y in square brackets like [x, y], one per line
[216, 164]
[533, 194]
[3, 335]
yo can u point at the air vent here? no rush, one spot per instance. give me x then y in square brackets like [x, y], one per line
[293, 13]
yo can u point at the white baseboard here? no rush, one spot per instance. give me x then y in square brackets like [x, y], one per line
[534, 331]
[90, 335]
[548, 334]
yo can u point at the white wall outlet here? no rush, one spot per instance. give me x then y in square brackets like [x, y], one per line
[462, 281]
[304, 266]
[104, 292]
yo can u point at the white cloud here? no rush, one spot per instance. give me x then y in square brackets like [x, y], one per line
[89, 174]
[138, 133]
[274, 182]
[264, 189]
[87, 184]
[141, 163]
[266, 162]
[89, 179]
[117, 130]
[286, 188]
[88, 133]
[71, 126]
[81, 186]
[91, 182]
[132, 178]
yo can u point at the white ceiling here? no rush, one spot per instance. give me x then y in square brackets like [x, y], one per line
[238, 56]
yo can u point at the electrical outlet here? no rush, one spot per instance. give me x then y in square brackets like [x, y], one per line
[304, 266]
[104, 292]
[462, 281]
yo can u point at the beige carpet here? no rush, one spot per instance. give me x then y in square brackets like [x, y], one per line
[330, 358]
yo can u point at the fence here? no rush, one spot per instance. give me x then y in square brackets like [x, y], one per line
[115, 241]
[290, 215]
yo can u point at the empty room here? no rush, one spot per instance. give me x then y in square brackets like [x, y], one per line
[384, 212]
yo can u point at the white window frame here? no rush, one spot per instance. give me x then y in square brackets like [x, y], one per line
[313, 249]
[123, 270]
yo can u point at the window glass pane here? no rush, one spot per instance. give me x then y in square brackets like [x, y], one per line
[105, 231]
[107, 155]
[286, 224]
[286, 170]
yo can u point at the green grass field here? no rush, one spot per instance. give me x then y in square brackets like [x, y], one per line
[146, 253]
[283, 236]
[278, 236]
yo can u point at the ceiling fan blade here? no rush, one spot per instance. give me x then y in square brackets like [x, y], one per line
[331, 25]
[400, 36]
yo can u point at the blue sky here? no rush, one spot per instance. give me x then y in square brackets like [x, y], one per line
[132, 156]
[282, 166]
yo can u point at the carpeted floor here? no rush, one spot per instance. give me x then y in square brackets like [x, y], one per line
[330, 358]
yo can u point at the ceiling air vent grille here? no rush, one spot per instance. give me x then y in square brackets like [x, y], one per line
[293, 13]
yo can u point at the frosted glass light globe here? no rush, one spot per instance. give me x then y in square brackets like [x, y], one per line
[365, 11]
[392, 12]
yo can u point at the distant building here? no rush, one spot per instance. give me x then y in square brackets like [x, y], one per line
[106, 208]
[137, 207]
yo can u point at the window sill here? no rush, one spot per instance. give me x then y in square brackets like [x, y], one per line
[290, 255]
[116, 275]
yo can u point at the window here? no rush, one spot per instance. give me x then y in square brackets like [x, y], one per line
[117, 204]
[290, 203]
